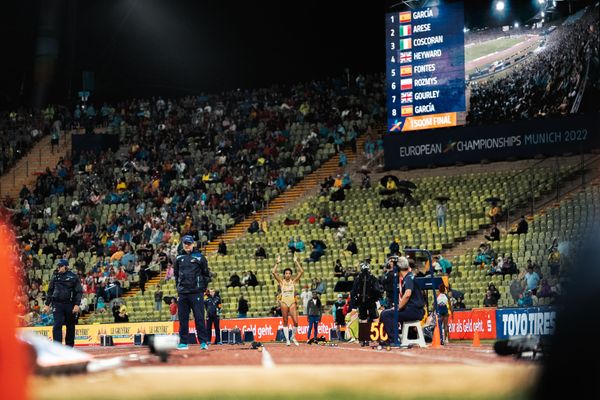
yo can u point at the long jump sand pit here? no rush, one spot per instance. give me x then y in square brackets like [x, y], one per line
[346, 372]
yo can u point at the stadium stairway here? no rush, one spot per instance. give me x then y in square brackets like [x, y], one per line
[27, 169]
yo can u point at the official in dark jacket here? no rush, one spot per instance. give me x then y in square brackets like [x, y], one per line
[191, 277]
[213, 311]
[64, 295]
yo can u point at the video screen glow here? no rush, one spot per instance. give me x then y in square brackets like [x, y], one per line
[425, 68]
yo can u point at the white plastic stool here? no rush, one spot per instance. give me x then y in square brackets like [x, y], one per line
[420, 340]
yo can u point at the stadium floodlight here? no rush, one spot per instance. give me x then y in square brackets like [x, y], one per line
[500, 5]
[543, 14]
[516, 25]
[541, 1]
[465, 30]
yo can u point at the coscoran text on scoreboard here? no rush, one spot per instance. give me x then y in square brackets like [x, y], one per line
[425, 67]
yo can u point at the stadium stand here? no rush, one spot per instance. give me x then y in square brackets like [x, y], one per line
[370, 226]
[21, 129]
[175, 175]
[531, 89]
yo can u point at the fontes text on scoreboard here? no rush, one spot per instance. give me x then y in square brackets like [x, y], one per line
[425, 67]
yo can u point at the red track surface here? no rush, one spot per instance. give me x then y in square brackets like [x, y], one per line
[344, 354]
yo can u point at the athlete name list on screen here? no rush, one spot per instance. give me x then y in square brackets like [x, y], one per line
[425, 67]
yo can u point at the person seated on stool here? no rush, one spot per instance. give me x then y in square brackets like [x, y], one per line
[410, 306]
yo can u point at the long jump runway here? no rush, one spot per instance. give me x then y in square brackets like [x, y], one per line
[453, 371]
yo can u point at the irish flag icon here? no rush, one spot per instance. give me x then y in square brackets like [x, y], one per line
[405, 44]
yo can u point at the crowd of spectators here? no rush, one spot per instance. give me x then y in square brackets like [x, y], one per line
[546, 84]
[129, 208]
[20, 129]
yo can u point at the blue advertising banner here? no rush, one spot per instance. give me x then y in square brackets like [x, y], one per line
[524, 321]
[470, 144]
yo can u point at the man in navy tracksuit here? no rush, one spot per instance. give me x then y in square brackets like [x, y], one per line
[191, 277]
[64, 294]
[213, 309]
[411, 305]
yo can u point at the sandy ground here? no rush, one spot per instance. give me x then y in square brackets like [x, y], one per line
[456, 370]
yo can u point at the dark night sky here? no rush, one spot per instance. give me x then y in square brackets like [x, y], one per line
[174, 47]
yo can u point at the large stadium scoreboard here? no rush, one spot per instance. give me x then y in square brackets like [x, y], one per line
[425, 68]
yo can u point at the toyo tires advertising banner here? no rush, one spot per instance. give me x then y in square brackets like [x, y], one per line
[525, 321]
[502, 323]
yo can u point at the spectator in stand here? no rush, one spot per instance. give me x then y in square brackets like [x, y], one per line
[351, 248]
[508, 266]
[252, 279]
[495, 293]
[158, 298]
[532, 280]
[260, 252]
[299, 245]
[494, 235]
[100, 305]
[120, 313]
[305, 296]
[526, 299]
[495, 213]
[317, 252]
[143, 273]
[169, 274]
[489, 300]
[459, 305]
[394, 248]
[318, 286]
[254, 227]
[554, 262]
[276, 310]
[222, 248]
[521, 228]
[234, 280]
[440, 212]
[292, 245]
[173, 309]
[243, 307]
[338, 269]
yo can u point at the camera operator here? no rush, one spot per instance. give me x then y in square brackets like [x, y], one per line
[387, 281]
[366, 291]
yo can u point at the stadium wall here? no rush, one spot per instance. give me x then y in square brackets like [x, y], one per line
[492, 323]
[264, 329]
[471, 144]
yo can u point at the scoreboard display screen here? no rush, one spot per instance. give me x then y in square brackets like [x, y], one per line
[425, 68]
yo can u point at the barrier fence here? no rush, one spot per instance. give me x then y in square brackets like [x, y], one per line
[264, 329]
